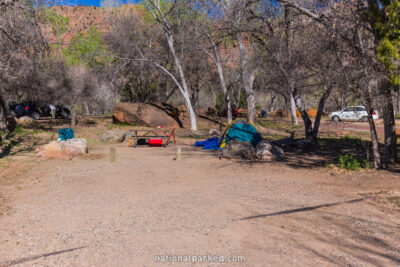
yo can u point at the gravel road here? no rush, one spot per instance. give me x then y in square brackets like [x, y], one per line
[144, 206]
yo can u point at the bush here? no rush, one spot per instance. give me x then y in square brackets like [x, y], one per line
[18, 129]
[365, 164]
[349, 162]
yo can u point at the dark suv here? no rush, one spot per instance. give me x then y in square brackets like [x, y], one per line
[24, 109]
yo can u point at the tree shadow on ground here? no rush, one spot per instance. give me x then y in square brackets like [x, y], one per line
[345, 238]
[304, 209]
[327, 152]
[32, 258]
[20, 144]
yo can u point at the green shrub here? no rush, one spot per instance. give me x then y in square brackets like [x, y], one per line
[365, 164]
[349, 162]
[18, 129]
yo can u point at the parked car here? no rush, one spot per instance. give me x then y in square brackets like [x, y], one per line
[24, 109]
[61, 112]
[352, 113]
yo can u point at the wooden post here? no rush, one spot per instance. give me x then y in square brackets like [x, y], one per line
[113, 154]
[178, 153]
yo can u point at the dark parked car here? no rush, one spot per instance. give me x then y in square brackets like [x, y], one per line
[24, 109]
[61, 112]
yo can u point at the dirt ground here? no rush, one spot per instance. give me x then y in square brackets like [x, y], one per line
[93, 212]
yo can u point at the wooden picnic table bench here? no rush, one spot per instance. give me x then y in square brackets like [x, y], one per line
[146, 135]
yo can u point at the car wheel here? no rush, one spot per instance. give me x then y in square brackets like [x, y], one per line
[64, 115]
[35, 116]
[364, 119]
[336, 118]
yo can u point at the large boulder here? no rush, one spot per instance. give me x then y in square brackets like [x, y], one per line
[75, 146]
[266, 151]
[143, 114]
[263, 150]
[239, 150]
[63, 150]
[114, 136]
[24, 120]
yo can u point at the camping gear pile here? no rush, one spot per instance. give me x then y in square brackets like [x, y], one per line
[241, 139]
[152, 137]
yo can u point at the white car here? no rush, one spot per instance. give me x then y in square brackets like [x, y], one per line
[352, 113]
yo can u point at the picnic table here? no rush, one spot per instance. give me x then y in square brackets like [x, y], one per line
[157, 136]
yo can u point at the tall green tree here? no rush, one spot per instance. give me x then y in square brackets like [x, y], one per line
[87, 49]
[385, 21]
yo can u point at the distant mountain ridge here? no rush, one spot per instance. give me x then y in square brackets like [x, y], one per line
[81, 18]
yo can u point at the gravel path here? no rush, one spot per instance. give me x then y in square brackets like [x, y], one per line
[144, 205]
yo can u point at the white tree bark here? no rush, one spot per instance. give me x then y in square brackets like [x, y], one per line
[159, 16]
[216, 58]
[248, 76]
[223, 84]
[183, 88]
[293, 110]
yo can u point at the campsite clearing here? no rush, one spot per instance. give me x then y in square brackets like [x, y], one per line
[92, 212]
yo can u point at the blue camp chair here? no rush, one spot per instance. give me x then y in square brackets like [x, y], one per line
[65, 134]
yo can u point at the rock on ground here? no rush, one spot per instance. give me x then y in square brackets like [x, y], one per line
[113, 136]
[25, 120]
[266, 151]
[142, 114]
[241, 150]
[63, 150]
[129, 134]
[263, 150]
[75, 146]
[278, 153]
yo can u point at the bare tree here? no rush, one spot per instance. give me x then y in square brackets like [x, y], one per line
[211, 39]
[22, 48]
[348, 21]
[163, 19]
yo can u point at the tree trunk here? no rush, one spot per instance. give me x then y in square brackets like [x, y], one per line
[248, 79]
[3, 117]
[195, 99]
[374, 137]
[238, 95]
[321, 105]
[288, 23]
[73, 116]
[87, 111]
[390, 147]
[184, 89]
[272, 105]
[375, 143]
[223, 84]
[302, 109]
[398, 101]
[293, 112]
